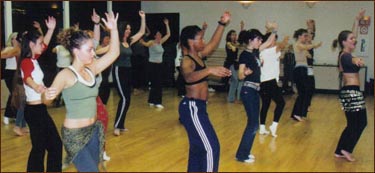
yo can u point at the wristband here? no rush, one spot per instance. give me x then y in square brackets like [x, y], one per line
[274, 32]
[221, 23]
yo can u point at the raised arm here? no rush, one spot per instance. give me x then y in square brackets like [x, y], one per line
[37, 26]
[114, 49]
[360, 15]
[142, 29]
[51, 24]
[282, 45]
[166, 36]
[242, 25]
[146, 44]
[204, 28]
[96, 19]
[216, 37]
[270, 26]
[10, 52]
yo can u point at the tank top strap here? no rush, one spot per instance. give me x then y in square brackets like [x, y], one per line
[80, 78]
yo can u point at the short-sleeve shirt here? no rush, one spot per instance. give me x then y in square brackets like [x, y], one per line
[252, 61]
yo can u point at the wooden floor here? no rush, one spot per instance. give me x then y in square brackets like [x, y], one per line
[156, 141]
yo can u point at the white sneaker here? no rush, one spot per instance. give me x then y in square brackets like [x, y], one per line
[6, 120]
[106, 157]
[273, 130]
[159, 106]
[249, 160]
[151, 104]
[251, 156]
[211, 90]
[262, 130]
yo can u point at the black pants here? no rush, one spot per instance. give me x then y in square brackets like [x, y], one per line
[301, 79]
[104, 89]
[139, 71]
[8, 75]
[311, 89]
[356, 123]
[155, 95]
[269, 90]
[180, 83]
[44, 136]
[122, 77]
[356, 119]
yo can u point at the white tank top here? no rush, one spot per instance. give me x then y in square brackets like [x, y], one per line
[271, 64]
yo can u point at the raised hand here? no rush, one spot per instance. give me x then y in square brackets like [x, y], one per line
[51, 22]
[310, 23]
[95, 17]
[36, 24]
[166, 21]
[220, 71]
[242, 25]
[225, 18]
[204, 25]
[76, 25]
[111, 22]
[361, 14]
[142, 14]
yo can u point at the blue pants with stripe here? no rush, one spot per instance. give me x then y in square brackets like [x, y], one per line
[204, 149]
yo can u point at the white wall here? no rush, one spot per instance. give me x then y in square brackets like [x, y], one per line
[330, 17]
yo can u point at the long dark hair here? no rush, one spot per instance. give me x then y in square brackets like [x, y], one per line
[189, 32]
[338, 42]
[121, 30]
[342, 37]
[228, 39]
[18, 91]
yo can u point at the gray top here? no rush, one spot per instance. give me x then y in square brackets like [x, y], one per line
[156, 53]
[124, 57]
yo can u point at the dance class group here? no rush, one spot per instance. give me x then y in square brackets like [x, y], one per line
[85, 58]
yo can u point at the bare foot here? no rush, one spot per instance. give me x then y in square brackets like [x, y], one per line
[116, 132]
[348, 156]
[297, 118]
[18, 131]
[339, 156]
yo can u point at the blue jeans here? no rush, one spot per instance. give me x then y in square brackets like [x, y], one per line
[87, 160]
[250, 100]
[235, 85]
[20, 118]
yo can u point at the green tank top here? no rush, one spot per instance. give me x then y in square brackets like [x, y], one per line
[80, 99]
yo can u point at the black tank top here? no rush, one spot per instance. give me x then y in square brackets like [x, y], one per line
[198, 67]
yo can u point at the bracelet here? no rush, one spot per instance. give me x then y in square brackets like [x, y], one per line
[274, 32]
[221, 23]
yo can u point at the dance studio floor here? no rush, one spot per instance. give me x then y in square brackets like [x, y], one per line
[157, 142]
